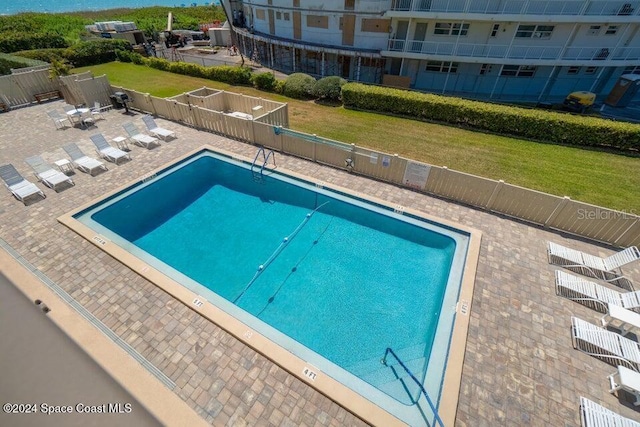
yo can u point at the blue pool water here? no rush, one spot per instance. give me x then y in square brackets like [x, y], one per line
[343, 278]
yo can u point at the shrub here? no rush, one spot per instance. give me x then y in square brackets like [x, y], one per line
[46, 55]
[264, 81]
[540, 125]
[235, 75]
[279, 87]
[328, 88]
[7, 64]
[17, 41]
[299, 85]
[95, 51]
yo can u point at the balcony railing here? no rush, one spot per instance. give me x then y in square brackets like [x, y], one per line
[515, 51]
[521, 7]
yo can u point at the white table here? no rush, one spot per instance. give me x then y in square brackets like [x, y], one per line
[121, 142]
[76, 116]
[620, 317]
[64, 165]
[627, 380]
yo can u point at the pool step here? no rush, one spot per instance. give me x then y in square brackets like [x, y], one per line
[392, 379]
[373, 364]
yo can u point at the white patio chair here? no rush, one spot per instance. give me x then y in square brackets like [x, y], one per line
[607, 269]
[594, 415]
[609, 346]
[46, 174]
[17, 184]
[81, 161]
[139, 138]
[59, 120]
[106, 151]
[161, 133]
[97, 110]
[592, 294]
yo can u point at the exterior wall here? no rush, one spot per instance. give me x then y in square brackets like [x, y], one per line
[313, 16]
[348, 37]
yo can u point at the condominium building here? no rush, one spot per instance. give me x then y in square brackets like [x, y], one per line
[524, 50]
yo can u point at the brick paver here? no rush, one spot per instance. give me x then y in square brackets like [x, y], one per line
[519, 368]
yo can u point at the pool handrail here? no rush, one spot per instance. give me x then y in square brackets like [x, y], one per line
[433, 408]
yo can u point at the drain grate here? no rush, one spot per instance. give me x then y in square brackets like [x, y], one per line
[89, 317]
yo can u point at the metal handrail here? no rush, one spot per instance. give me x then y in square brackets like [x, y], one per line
[433, 408]
[265, 157]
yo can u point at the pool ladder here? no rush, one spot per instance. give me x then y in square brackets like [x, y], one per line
[258, 173]
[413, 377]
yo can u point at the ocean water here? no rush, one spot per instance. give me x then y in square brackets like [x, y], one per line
[58, 6]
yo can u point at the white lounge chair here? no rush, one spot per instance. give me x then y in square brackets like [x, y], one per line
[141, 139]
[59, 120]
[594, 415]
[81, 161]
[17, 184]
[607, 269]
[592, 294]
[46, 174]
[604, 344]
[106, 151]
[161, 133]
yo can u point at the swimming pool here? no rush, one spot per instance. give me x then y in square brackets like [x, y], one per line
[333, 279]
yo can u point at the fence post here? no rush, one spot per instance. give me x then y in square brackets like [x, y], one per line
[494, 194]
[315, 143]
[557, 210]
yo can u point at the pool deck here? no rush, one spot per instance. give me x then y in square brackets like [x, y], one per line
[519, 365]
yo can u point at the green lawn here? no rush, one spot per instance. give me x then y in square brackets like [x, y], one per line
[601, 178]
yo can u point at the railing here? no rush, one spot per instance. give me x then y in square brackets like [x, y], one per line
[514, 51]
[521, 7]
[413, 377]
[257, 175]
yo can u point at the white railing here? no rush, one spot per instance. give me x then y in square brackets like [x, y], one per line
[521, 7]
[515, 51]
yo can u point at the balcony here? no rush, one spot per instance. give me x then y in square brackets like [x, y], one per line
[521, 7]
[552, 53]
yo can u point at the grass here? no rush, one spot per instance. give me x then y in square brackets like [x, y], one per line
[601, 178]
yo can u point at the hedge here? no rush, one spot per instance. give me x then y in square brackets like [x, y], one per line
[81, 54]
[539, 125]
[223, 73]
[299, 86]
[328, 88]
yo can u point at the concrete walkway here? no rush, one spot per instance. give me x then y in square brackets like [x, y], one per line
[519, 369]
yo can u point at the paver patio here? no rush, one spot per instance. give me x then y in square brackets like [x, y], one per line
[519, 369]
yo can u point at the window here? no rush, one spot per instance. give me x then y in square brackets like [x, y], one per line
[573, 70]
[349, 4]
[632, 70]
[286, 16]
[611, 30]
[590, 70]
[317, 21]
[494, 30]
[451, 29]
[278, 15]
[534, 31]
[260, 14]
[594, 30]
[518, 70]
[485, 68]
[442, 66]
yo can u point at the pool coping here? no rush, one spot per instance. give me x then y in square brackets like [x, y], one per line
[349, 399]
